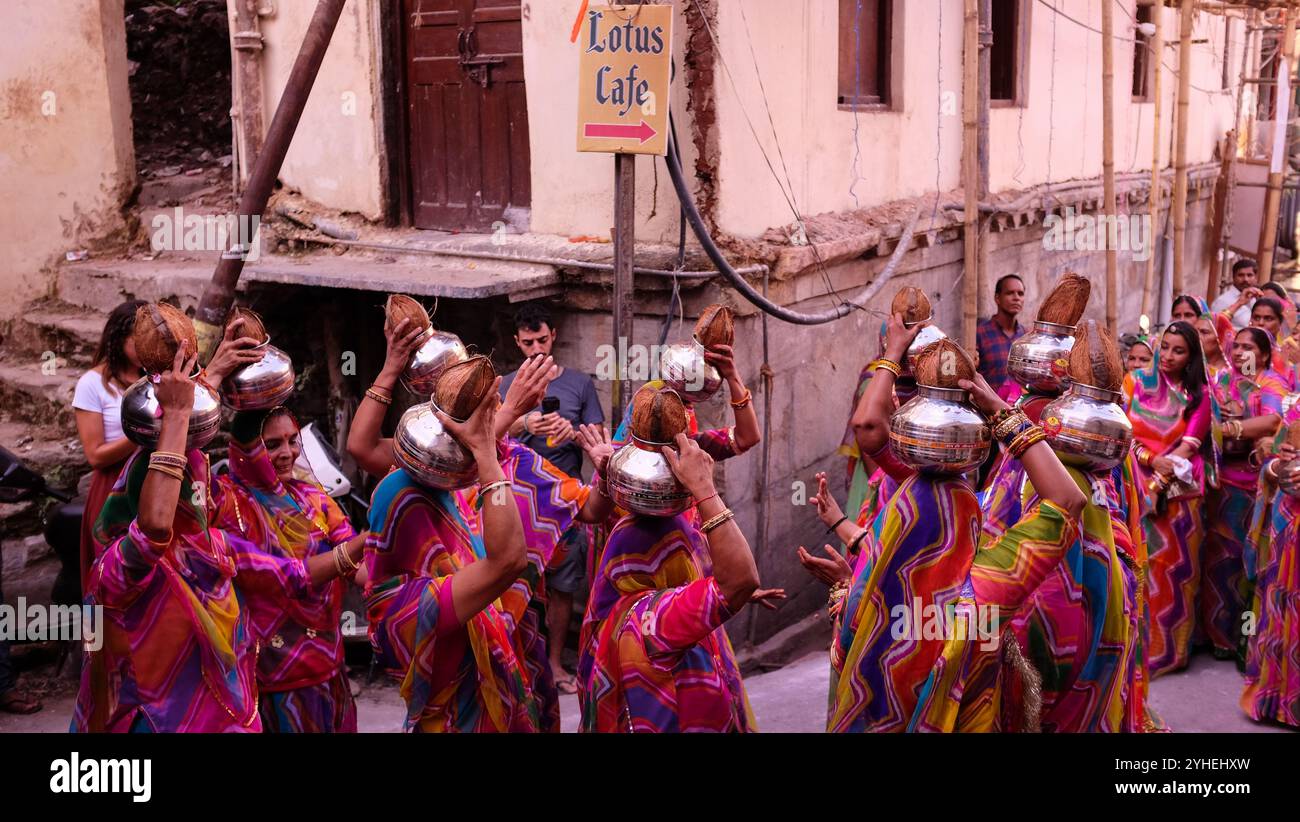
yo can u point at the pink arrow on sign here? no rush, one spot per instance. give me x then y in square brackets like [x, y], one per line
[613, 131]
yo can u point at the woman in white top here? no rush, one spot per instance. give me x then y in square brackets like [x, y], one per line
[98, 403]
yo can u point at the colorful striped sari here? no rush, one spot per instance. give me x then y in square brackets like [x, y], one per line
[1173, 528]
[917, 650]
[1080, 627]
[490, 674]
[286, 523]
[1225, 589]
[655, 656]
[178, 653]
[1272, 691]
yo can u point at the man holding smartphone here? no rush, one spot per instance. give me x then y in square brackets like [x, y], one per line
[550, 430]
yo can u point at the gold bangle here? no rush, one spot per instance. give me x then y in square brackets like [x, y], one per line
[1009, 423]
[889, 365]
[1025, 440]
[377, 397]
[174, 473]
[743, 401]
[343, 562]
[175, 455]
[169, 462]
[719, 519]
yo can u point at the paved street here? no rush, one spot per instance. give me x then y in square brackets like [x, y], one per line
[1202, 698]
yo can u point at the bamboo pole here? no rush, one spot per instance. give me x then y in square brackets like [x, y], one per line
[1278, 153]
[970, 171]
[1108, 163]
[1157, 58]
[1180, 162]
[983, 251]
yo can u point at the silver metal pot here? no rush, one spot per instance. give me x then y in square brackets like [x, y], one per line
[142, 415]
[1040, 360]
[260, 385]
[439, 351]
[1087, 427]
[430, 453]
[1288, 477]
[683, 368]
[1236, 448]
[641, 482]
[938, 432]
[927, 335]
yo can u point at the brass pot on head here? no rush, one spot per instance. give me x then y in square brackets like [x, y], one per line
[1040, 360]
[436, 353]
[938, 432]
[1087, 427]
[641, 481]
[142, 415]
[683, 368]
[424, 447]
[260, 385]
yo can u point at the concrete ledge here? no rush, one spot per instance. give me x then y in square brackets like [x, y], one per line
[812, 633]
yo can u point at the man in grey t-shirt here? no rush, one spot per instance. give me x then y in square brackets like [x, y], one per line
[553, 436]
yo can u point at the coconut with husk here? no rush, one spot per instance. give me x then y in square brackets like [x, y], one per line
[913, 304]
[1066, 302]
[401, 307]
[1040, 360]
[263, 384]
[159, 331]
[462, 386]
[640, 479]
[1094, 359]
[424, 447]
[716, 326]
[915, 307]
[938, 431]
[1087, 426]
[943, 364]
[253, 325]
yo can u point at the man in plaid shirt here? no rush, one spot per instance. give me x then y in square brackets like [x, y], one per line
[993, 337]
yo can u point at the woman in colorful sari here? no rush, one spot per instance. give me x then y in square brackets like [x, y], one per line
[374, 453]
[469, 665]
[654, 653]
[1082, 626]
[1139, 354]
[291, 573]
[1267, 314]
[922, 553]
[1272, 692]
[1251, 400]
[1170, 407]
[177, 651]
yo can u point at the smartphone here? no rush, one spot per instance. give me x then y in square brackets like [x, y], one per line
[549, 406]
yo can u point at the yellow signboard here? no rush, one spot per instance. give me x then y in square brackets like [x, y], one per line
[624, 76]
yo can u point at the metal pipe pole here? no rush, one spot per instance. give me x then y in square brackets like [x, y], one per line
[1156, 57]
[1180, 161]
[1108, 163]
[220, 292]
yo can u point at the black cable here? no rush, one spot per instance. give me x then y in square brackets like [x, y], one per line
[737, 281]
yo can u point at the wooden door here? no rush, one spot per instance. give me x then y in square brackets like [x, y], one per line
[467, 114]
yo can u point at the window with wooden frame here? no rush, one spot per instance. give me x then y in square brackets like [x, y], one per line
[1007, 57]
[866, 35]
[1143, 66]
